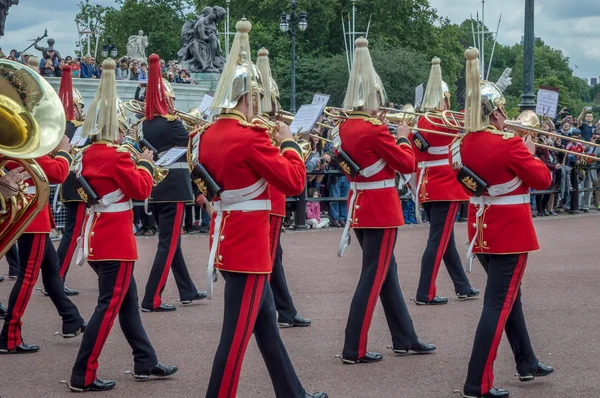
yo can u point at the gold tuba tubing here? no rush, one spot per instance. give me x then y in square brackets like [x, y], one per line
[32, 124]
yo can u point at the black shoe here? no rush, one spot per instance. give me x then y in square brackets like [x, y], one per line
[1, 278]
[161, 308]
[97, 385]
[199, 296]
[3, 311]
[76, 333]
[71, 292]
[12, 277]
[159, 370]
[471, 294]
[319, 394]
[493, 393]
[21, 349]
[437, 300]
[298, 321]
[371, 357]
[204, 229]
[419, 348]
[540, 371]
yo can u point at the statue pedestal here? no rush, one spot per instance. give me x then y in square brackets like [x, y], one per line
[208, 81]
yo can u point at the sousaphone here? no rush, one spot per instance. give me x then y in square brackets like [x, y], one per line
[32, 124]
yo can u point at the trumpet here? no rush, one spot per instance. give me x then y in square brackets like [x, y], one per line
[192, 119]
[135, 107]
[273, 128]
[129, 144]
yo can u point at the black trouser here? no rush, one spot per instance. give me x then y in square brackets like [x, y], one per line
[249, 307]
[441, 245]
[169, 218]
[378, 279]
[68, 242]
[502, 309]
[117, 294]
[37, 252]
[12, 257]
[283, 299]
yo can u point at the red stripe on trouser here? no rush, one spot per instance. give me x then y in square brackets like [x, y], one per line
[119, 291]
[487, 381]
[448, 227]
[32, 270]
[249, 308]
[275, 232]
[176, 233]
[73, 244]
[385, 254]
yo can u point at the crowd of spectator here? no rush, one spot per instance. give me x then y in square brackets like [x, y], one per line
[51, 65]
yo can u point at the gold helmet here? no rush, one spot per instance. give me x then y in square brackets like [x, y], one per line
[483, 97]
[78, 98]
[365, 90]
[240, 76]
[270, 101]
[169, 92]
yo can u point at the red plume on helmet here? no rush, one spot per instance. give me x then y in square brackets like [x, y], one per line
[156, 102]
[66, 92]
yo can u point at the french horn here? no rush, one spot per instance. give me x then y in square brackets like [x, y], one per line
[32, 124]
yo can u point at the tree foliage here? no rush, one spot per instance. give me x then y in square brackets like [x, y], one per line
[404, 35]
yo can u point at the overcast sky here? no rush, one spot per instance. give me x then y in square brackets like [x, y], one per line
[570, 26]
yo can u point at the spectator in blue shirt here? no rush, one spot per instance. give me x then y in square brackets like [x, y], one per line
[586, 126]
[143, 73]
[87, 68]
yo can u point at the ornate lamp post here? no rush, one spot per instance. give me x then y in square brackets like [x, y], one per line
[109, 48]
[528, 97]
[289, 22]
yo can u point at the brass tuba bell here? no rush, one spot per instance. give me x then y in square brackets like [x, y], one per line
[32, 124]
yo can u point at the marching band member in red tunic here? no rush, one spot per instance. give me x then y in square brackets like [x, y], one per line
[73, 104]
[237, 163]
[498, 169]
[440, 194]
[374, 211]
[111, 179]
[288, 315]
[36, 251]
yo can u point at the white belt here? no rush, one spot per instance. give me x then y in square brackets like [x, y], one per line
[438, 150]
[423, 166]
[83, 242]
[507, 187]
[354, 187]
[485, 201]
[373, 169]
[244, 194]
[220, 207]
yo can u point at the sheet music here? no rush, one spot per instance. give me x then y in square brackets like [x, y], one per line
[306, 118]
[205, 104]
[547, 102]
[171, 156]
[419, 92]
[77, 139]
[320, 98]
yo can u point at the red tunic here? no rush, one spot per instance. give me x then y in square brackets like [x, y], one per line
[237, 156]
[497, 158]
[438, 183]
[277, 202]
[366, 141]
[57, 171]
[106, 170]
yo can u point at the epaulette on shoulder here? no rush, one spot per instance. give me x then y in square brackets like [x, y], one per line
[170, 118]
[505, 134]
[200, 130]
[374, 122]
[76, 123]
[253, 126]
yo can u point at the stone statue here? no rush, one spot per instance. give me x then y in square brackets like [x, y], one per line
[4, 6]
[200, 46]
[136, 46]
[44, 50]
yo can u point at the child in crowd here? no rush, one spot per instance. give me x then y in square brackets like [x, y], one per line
[313, 212]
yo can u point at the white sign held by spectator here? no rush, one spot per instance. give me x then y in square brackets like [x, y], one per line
[205, 104]
[547, 101]
[306, 118]
[77, 139]
[320, 98]
[419, 92]
[171, 156]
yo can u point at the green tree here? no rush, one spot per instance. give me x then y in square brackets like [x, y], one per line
[92, 14]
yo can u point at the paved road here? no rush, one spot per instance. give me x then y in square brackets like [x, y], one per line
[561, 301]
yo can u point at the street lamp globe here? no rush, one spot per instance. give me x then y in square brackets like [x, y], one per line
[283, 25]
[104, 52]
[302, 23]
[113, 52]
